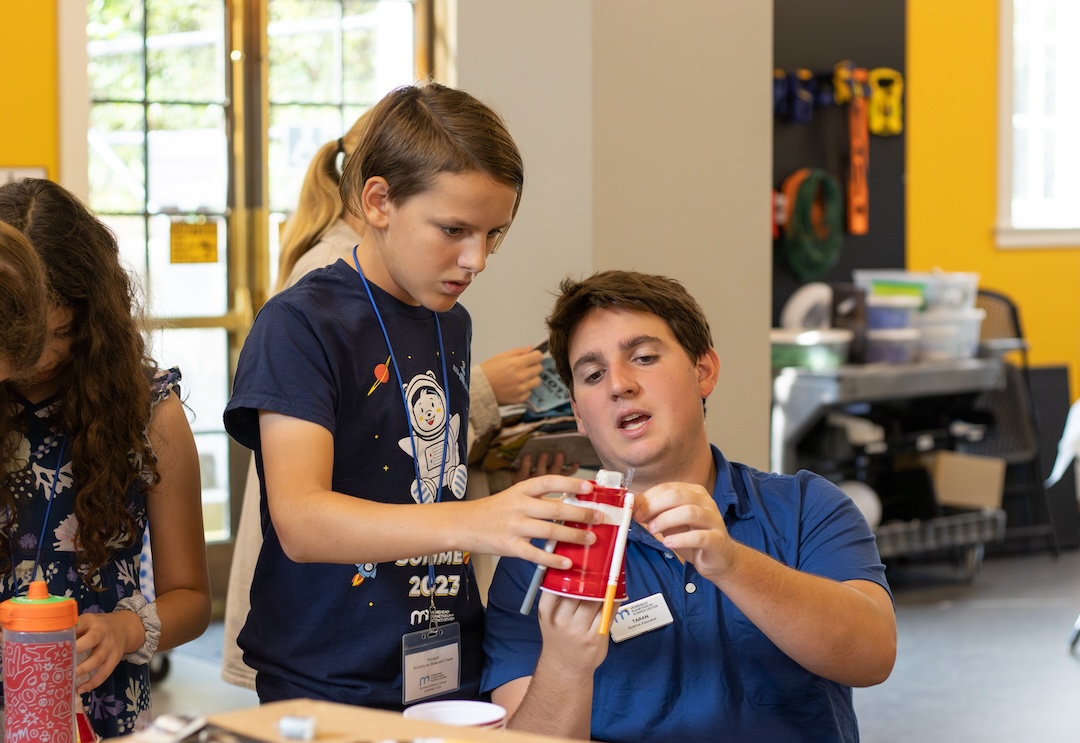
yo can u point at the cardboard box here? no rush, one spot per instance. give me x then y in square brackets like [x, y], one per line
[967, 481]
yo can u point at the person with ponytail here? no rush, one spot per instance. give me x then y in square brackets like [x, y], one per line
[363, 364]
[319, 233]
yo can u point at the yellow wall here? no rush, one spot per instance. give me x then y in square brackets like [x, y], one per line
[952, 59]
[29, 126]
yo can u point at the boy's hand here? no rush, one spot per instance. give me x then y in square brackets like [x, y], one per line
[506, 522]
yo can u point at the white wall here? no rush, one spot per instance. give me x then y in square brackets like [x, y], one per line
[532, 61]
[646, 129]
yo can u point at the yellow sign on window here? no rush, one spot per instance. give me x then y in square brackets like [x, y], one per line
[193, 242]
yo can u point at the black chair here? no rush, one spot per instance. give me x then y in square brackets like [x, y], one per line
[1013, 433]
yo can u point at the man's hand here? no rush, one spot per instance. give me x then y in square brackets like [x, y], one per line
[573, 646]
[557, 699]
[687, 521]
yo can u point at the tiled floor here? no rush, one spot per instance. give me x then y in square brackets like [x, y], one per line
[985, 660]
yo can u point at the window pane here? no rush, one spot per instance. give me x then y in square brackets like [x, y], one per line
[115, 48]
[304, 48]
[1049, 190]
[1021, 72]
[131, 234]
[117, 168]
[1046, 162]
[296, 133]
[186, 50]
[377, 49]
[188, 158]
[1020, 152]
[173, 290]
[277, 226]
[202, 356]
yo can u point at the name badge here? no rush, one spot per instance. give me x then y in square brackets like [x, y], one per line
[431, 662]
[641, 616]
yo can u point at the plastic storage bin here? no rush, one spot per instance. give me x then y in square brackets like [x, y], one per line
[892, 345]
[939, 290]
[812, 349]
[948, 335]
[891, 311]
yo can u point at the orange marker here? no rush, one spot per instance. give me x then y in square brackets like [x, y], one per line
[616, 564]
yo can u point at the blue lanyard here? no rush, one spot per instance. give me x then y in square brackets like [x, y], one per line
[405, 403]
[48, 508]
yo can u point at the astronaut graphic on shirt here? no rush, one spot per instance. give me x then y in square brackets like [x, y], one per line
[433, 437]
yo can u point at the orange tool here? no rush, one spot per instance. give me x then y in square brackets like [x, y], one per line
[858, 201]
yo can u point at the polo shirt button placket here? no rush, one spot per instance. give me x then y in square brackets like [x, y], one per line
[690, 588]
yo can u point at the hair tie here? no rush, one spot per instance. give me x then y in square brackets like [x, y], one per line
[341, 145]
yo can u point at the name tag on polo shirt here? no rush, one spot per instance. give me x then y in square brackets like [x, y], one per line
[641, 616]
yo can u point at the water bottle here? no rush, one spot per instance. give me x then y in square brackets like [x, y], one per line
[39, 667]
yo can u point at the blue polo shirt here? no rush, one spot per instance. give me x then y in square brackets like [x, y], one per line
[710, 674]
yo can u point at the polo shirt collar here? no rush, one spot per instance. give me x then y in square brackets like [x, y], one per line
[728, 492]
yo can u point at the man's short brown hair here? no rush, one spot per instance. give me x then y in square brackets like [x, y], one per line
[631, 291]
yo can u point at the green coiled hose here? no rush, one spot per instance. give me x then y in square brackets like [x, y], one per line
[814, 232]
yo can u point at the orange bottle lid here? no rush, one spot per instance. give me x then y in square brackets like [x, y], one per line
[38, 611]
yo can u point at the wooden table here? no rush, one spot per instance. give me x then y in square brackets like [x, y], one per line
[340, 723]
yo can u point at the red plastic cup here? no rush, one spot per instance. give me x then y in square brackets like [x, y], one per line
[587, 577]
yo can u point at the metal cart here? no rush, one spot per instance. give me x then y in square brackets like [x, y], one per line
[968, 532]
[802, 398]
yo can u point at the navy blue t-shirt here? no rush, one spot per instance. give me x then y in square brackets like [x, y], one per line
[316, 352]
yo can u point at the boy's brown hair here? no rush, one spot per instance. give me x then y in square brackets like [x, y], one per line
[417, 132]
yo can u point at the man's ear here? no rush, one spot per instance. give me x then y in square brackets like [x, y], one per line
[580, 423]
[708, 371]
[375, 201]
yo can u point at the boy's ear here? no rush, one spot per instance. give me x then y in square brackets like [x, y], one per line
[375, 201]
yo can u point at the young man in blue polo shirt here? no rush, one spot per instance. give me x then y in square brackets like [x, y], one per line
[759, 600]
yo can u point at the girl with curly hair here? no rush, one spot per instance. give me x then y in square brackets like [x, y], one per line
[95, 443]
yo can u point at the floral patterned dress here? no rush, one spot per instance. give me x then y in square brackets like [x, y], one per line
[44, 534]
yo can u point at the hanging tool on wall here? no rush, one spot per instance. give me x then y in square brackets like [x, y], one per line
[886, 118]
[781, 102]
[802, 87]
[794, 95]
[813, 231]
[842, 82]
[852, 87]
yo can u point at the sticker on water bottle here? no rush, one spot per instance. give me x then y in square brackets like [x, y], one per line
[38, 679]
